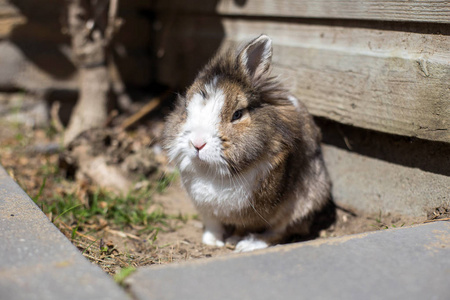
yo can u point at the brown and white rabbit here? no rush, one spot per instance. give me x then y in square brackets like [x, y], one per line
[248, 152]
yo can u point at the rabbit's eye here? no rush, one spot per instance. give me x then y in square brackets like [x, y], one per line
[237, 115]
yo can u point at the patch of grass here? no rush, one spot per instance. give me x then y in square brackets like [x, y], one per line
[165, 181]
[74, 233]
[66, 211]
[395, 226]
[379, 222]
[90, 245]
[129, 210]
[123, 273]
[49, 168]
[20, 137]
[50, 131]
[383, 224]
[41, 189]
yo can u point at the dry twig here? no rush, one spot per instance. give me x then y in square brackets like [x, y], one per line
[123, 234]
[76, 232]
[150, 106]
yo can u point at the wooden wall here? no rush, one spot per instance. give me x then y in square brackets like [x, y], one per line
[376, 73]
[375, 64]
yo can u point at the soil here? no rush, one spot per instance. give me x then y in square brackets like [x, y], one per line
[29, 155]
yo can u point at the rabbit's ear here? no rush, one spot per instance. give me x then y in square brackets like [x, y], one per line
[256, 57]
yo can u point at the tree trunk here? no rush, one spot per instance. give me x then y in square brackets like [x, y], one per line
[91, 109]
[91, 24]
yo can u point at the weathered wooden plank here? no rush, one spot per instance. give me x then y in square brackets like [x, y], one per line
[436, 11]
[390, 81]
[386, 10]
[183, 45]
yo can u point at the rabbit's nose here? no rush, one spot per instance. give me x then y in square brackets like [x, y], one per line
[198, 143]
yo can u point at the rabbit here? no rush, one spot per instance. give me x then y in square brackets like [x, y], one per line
[248, 152]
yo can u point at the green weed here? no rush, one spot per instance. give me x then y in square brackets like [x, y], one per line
[41, 189]
[66, 211]
[123, 273]
[90, 245]
[49, 168]
[74, 233]
[382, 224]
[19, 137]
[165, 181]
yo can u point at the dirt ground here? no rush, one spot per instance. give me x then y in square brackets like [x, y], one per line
[29, 156]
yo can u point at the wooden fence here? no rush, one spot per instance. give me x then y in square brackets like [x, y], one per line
[380, 65]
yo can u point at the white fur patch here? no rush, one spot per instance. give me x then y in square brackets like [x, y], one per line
[214, 232]
[203, 115]
[250, 243]
[211, 240]
[202, 125]
[221, 196]
[294, 101]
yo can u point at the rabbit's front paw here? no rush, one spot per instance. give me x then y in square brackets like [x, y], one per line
[250, 243]
[209, 238]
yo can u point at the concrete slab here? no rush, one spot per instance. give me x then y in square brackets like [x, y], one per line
[373, 185]
[379, 172]
[36, 259]
[406, 263]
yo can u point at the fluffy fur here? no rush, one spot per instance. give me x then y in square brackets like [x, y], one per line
[248, 152]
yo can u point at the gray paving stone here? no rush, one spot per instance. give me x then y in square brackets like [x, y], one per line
[405, 263]
[36, 259]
